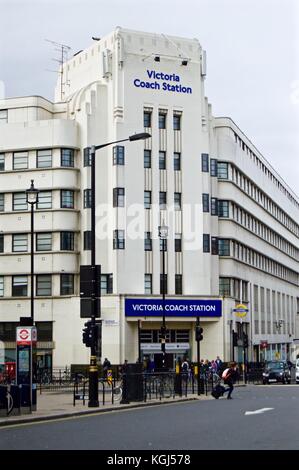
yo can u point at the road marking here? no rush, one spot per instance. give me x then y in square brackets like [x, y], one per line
[257, 412]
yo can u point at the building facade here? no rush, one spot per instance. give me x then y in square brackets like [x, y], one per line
[233, 231]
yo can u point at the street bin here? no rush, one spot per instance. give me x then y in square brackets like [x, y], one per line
[134, 382]
[3, 400]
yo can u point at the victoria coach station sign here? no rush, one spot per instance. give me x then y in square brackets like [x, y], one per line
[173, 308]
[162, 81]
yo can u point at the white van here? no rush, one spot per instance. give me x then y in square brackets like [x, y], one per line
[297, 371]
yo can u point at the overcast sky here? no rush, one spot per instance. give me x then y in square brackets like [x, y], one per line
[252, 52]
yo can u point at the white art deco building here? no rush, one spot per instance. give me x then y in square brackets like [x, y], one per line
[233, 222]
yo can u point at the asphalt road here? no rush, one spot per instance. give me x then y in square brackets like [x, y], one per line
[210, 424]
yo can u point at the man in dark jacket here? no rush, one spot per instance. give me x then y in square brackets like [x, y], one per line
[230, 378]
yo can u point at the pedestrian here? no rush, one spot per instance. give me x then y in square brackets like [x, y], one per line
[219, 364]
[214, 366]
[229, 377]
[106, 366]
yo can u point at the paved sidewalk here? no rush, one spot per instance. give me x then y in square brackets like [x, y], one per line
[51, 405]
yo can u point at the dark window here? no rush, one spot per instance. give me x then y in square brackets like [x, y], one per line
[66, 284]
[67, 157]
[206, 243]
[44, 331]
[1, 243]
[87, 156]
[214, 243]
[205, 202]
[118, 197]
[176, 161]
[87, 240]
[214, 206]
[119, 155]
[178, 284]
[43, 284]
[118, 239]
[178, 242]
[43, 241]
[67, 199]
[222, 170]
[19, 286]
[147, 199]
[147, 158]
[19, 202]
[147, 241]
[223, 208]
[148, 284]
[3, 116]
[2, 202]
[44, 158]
[223, 247]
[213, 167]
[147, 119]
[2, 162]
[162, 199]
[177, 201]
[162, 121]
[163, 283]
[87, 198]
[205, 162]
[176, 122]
[162, 160]
[106, 283]
[67, 241]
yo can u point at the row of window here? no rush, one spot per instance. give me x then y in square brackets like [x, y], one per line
[259, 228]
[236, 288]
[44, 331]
[43, 159]
[148, 284]
[19, 202]
[252, 190]
[43, 242]
[263, 167]
[43, 285]
[227, 247]
[171, 336]
[218, 207]
[162, 119]
[213, 166]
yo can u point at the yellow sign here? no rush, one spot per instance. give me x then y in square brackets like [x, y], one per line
[277, 355]
[240, 310]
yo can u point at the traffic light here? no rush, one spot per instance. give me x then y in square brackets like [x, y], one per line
[235, 338]
[245, 340]
[87, 334]
[198, 333]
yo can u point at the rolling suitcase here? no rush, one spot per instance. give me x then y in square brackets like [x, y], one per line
[218, 391]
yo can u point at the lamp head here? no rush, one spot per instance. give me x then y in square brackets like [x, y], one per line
[32, 194]
[140, 136]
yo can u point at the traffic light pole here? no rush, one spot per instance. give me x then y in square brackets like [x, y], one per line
[93, 397]
[198, 357]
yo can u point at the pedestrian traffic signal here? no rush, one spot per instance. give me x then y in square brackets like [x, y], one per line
[87, 334]
[198, 333]
[245, 340]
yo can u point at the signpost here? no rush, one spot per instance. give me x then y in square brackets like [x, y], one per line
[241, 311]
[26, 375]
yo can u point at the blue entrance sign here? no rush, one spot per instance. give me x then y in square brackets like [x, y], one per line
[173, 308]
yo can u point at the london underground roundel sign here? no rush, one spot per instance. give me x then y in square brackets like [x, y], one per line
[240, 310]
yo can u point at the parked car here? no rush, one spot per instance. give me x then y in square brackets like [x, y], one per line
[297, 371]
[277, 371]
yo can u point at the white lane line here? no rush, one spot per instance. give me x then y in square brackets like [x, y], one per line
[257, 412]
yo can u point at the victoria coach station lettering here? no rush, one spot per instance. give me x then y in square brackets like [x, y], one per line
[168, 83]
[173, 308]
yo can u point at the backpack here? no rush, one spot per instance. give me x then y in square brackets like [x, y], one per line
[226, 374]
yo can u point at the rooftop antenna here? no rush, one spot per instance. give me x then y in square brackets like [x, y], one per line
[63, 50]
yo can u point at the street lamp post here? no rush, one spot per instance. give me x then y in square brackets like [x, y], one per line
[163, 234]
[93, 369]
[32, 199]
